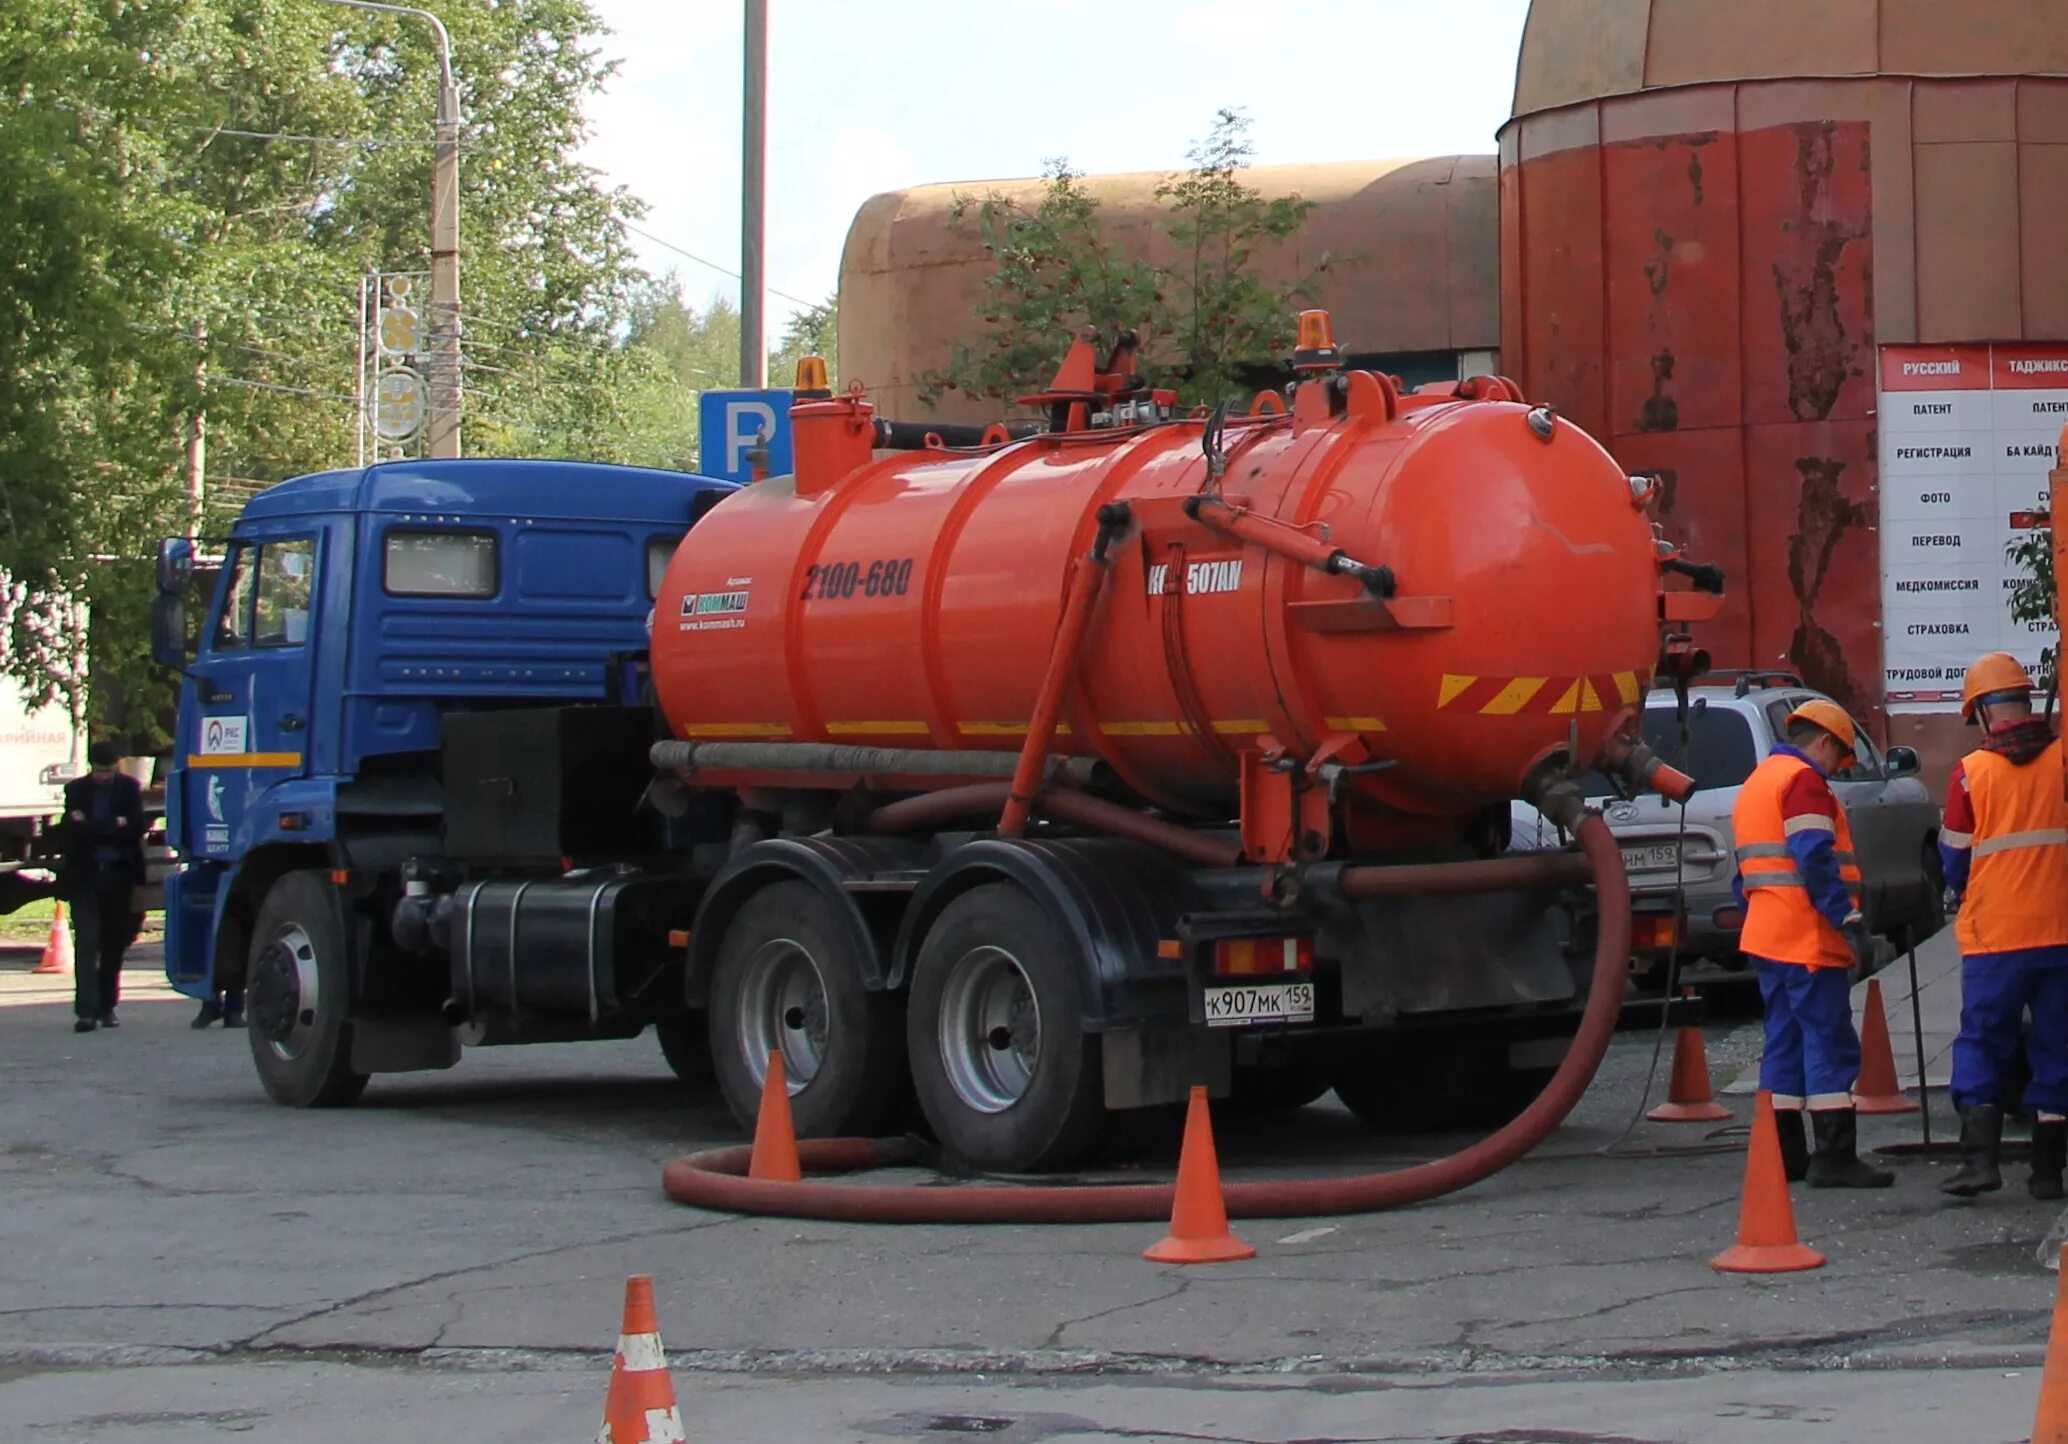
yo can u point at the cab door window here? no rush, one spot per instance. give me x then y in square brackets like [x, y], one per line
[286, 585]
[233, 627]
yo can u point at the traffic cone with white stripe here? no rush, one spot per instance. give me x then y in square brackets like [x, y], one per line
[640, 1407]
[57, 948]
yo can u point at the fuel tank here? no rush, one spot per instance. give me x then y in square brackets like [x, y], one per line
[912, 601]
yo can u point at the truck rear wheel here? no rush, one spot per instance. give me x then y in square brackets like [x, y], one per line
[297, 992]
[784, 981]
[686, 1044]
[1005, 1072]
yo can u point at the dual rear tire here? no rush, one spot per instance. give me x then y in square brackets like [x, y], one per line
[989, 1038]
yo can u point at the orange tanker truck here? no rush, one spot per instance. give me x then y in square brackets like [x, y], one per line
[1155, 749]
[1021, 778]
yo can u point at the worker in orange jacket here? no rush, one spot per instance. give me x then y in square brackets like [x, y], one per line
[2004, 846]
[1799, 880]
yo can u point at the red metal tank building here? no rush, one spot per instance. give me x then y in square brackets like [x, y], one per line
[1799, 261]
[1411, 281]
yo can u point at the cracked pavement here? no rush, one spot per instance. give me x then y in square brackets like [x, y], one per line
[459, 1241]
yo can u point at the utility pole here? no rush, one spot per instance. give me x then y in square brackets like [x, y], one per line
[443, 431]
[197, 438]
[754, 198]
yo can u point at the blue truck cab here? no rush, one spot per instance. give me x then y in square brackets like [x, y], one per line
[356, 615]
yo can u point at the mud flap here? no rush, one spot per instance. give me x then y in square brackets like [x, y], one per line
[1416, 955]
[402, 1045]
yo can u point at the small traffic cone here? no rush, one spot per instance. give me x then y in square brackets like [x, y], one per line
[640, 1407]
[775, 1135]
[1199, 1215]
[1689, 1098]
[2050, 1424]
[1766, 1219]
[57, 948]
[1877, 1091]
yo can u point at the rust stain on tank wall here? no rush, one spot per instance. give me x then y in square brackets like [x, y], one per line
[1822, 518]
[1821, 356]
[1660, 412]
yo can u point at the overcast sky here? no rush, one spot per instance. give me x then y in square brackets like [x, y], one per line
[872, 95]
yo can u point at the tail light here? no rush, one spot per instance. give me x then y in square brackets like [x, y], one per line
[1730, 919]
[1657, 930]
[1245, 957]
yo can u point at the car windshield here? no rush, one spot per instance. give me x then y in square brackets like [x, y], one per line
[1718, 754]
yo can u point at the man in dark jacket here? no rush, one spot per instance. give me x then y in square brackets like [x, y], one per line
[102, 866]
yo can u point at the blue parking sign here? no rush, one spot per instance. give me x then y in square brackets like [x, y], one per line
[732, 423]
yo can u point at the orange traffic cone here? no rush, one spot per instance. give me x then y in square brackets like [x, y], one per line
[1689, 1098]
[2050, 1425]
[1766, 1219]
[1199, 1216]
[57, 949]
[640, 1407]
[775, 1135]
[1877, 1091]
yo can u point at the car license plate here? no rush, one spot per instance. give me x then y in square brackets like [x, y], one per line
[1653, 857]
[1268, 1003]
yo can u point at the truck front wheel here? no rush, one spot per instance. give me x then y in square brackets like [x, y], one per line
[297, 992]
[1005, 1072]
[785, 981]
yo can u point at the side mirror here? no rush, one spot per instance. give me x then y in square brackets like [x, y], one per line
[1902, 762]
[169, 630]
[175, 564]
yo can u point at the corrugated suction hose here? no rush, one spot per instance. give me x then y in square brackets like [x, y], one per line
[715, 1179]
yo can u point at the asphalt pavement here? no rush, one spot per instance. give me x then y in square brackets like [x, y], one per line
[181, 1260]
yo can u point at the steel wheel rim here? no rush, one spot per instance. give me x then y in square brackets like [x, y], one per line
[783, 1010]
[293, 941]
[990, 1029]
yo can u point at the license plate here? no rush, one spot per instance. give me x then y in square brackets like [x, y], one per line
[1269, 1003]
[1653, 857]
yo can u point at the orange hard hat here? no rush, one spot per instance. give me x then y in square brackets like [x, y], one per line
[1833, 719]
[1993, 673]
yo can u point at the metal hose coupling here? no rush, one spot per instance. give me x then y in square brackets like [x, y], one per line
[1632, 761]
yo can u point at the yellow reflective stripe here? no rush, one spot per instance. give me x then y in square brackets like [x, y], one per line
[1811, 822]
[734, 729]
[1452, 684]
[1626, 686]
[1140, 729]
[1240, 724]
[244, 759]
[1513, 697]
[2038, 837]
[888, 729]
[1355, 724]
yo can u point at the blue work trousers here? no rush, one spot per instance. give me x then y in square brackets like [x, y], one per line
[1812, 1053]
[1995, 991]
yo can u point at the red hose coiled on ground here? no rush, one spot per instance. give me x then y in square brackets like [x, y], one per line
[716, 1178]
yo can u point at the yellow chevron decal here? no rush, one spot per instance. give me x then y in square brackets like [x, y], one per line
[1514, 697]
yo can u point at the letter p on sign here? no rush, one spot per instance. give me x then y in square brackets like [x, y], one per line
[732, 423]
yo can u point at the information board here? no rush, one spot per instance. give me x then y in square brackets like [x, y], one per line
[1967, 442]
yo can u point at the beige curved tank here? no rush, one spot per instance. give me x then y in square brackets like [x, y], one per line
[1413, 244]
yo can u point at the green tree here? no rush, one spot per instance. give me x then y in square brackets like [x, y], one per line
[1209, 323]
[2033, 600]
[813, 331]
[190, 191]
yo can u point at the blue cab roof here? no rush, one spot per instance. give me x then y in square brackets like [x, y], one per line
[590, 490]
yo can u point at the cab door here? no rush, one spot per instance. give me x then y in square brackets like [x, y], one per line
[253, 685]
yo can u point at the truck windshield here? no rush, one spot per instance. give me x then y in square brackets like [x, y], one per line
[1719, 751]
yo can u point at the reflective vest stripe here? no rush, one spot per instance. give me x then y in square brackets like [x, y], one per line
[1956, 840]
[1757, 851]
[1809, 822]
[2039, 837]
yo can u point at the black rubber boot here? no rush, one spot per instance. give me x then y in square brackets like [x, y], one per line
[233, 1017]
[1981, 1140]
[2049, 1155]
[209, 1013]
[1795, 1146]
[1836, 1163]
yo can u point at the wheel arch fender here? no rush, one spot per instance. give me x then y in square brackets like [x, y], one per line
[242, 894]
[1116, 901]
[826, 865]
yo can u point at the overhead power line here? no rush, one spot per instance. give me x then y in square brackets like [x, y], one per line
[713, 265]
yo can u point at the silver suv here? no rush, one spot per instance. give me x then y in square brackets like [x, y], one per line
[1733, 721]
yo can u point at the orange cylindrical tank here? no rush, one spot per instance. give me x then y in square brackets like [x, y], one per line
[912, 602]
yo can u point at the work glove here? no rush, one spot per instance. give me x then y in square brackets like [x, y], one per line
[1859, 939]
